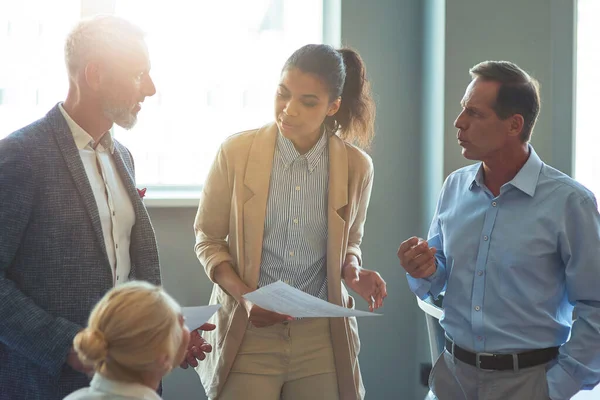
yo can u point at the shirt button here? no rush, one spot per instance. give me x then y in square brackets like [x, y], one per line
[479, 273]
[485, 238]
[295, 220]
[494, 204]
[477, 308]
[291, 254]
[297, 187]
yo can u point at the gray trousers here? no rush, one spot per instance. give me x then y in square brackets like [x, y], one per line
[452, 379]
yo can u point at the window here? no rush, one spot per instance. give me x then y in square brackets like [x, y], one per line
[587, 168]
[32, 71]
[215, 65]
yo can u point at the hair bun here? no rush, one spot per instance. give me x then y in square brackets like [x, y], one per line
[91, 346]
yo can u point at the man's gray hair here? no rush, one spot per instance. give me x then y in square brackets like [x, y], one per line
[98, 37]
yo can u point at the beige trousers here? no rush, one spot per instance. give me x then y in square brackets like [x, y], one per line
[289, 361]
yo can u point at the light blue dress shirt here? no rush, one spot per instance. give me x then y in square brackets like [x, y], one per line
[515, 266]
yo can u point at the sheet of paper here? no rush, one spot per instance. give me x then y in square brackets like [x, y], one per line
[284, 299]
[195, 317]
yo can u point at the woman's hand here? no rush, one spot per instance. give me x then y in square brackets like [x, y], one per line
[260, 318]
[368, 284]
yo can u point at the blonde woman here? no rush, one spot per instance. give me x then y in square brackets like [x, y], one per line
[136, 334]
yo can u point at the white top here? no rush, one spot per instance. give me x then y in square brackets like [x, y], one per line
[115, 208]
[105, 389]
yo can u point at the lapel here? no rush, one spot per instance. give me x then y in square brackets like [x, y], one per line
[129, 182]
[70, 153]
[336, 212]
[256, 192]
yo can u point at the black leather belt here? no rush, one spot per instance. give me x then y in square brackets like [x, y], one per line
[502, 362]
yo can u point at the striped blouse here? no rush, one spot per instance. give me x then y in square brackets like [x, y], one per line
[295, 237]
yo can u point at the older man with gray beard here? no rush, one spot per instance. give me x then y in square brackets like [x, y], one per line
[72, 224]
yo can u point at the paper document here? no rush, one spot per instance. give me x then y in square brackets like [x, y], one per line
[195, 317]
[284, 299]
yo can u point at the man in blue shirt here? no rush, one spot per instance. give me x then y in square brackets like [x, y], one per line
[515, 245]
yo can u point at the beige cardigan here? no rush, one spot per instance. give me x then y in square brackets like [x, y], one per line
[229, 226]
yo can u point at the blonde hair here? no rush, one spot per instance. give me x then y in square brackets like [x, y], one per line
[129, 329]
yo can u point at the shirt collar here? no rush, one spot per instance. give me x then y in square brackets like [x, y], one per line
[82, 138]
[477, 177]
[289, 153]
[125, 389]
[526, 179]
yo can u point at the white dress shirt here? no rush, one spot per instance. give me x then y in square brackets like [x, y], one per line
[102, 388]
[115, 208]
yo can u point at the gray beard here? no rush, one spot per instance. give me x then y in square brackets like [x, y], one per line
[120, 116]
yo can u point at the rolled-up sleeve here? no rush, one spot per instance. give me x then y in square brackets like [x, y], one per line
[211, 225]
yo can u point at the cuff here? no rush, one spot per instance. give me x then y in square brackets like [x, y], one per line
[213, 262]
[423, 287]
[64, 333]
[561, 385]
[355, 251]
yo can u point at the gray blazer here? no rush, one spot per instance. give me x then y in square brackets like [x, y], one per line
[53, 262]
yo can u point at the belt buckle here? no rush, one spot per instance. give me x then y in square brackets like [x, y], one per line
[478, 360]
